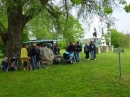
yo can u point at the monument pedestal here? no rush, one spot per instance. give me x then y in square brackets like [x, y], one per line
[98, 50]
[110, 48]
[104, 49]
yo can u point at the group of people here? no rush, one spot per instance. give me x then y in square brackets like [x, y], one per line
[28, 55]
[32, 55]
[90, 48]
[74, 49]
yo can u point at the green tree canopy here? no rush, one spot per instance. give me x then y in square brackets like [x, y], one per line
[118, 39]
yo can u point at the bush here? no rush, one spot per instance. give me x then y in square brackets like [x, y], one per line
[62, 44]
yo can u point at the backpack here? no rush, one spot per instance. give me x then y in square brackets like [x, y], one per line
[86, 49]
[32, 51]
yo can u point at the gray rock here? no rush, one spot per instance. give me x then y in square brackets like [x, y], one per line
[47, 56]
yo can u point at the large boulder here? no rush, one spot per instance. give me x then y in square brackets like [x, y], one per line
[47, 56]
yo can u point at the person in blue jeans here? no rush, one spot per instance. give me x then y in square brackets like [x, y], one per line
[92, 49]
[78, 50]
[38, 56]
[71, 50]
[32, 55]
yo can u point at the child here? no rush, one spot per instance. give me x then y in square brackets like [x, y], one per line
[4, 64]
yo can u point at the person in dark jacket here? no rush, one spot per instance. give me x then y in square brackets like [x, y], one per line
[86, 51]
[71, 50]
[38, 57]
[92, 49]
[78, 50]
[32, 56]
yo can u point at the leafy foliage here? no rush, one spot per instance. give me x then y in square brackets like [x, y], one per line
[61, 28]
[76, 2]
[25, 37]
[127, 8]
[118, 39]
[108, 10]
[41, 26]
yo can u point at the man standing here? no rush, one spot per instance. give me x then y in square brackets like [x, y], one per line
[71, 50]
[32, 55]
[86, 51]
[92, 49]
[78, 50]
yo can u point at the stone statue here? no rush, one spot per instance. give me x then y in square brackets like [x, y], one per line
[108, 34]
[103, 41]
[102, 32]
[95, 33]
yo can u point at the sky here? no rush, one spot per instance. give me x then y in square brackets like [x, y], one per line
[122, 24]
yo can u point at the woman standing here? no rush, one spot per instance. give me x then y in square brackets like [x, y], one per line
[86, 51]
[24, 56]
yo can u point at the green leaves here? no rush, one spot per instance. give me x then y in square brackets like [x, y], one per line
[123, 2]
[76, 2]
[108, 10]
[98, 7]
[127, 8]
[119, 39]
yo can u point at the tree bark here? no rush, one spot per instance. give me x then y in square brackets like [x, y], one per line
[12, 39]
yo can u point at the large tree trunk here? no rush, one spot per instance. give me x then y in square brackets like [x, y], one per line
[16, 23]
[13, 42]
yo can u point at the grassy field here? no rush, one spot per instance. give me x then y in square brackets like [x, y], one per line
[99, 78]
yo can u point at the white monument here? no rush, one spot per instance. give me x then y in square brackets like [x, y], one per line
[95, 37]
[103, 41]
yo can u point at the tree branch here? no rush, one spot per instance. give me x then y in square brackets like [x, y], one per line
[52, 11]
[33, 12]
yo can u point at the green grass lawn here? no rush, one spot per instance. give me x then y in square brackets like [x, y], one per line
[99, 78]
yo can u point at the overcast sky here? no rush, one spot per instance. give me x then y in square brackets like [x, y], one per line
[122, 23]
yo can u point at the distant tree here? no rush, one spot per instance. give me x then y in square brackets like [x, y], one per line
[118, 39]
